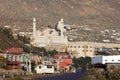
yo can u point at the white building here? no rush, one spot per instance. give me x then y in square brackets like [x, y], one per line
[44, 69]
[112, 59]
[48, 36]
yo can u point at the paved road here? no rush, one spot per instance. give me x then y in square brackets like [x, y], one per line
[70, 76]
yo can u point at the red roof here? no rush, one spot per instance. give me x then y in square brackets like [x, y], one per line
[62, 55]
[15, 50]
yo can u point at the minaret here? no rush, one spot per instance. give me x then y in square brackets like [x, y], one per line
[62, 27]
[34, 27]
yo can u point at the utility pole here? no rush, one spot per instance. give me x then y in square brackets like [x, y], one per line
[29, 60]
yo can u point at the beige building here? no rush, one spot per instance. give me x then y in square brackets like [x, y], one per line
[79, 49]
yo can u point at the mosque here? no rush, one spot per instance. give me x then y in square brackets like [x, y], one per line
[52, 39]
[49, 36]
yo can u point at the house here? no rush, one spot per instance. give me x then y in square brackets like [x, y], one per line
[44, 68]
[63, 60]
[16, 57]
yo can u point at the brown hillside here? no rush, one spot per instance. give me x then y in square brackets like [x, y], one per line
[103, 13]
[97, 14]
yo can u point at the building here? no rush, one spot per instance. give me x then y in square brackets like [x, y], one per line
[48, 36]
[62, 60]
[79, 49]
[15, 58]
[112, 59]
[111, 62]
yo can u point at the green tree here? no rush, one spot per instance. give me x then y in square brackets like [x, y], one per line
[81, 62]
[27, 49]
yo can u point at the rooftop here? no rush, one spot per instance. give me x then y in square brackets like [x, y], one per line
[14, 50]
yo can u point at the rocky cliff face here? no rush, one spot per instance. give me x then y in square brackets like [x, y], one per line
[96, 14]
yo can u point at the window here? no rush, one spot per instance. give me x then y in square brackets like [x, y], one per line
[105, 60]
[118, 60]
[86, 46]
[112, 60]
[78, 46]
[74, 46]
[49, 66]
[39, 67]
[15, 58]
[83, 46]
[11, 58]
[20, 57]
[70, 46]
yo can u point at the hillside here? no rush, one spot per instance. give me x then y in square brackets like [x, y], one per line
[98, 15]
[6, 42]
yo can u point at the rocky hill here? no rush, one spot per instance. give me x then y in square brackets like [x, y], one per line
[6, 42]
[90, 17]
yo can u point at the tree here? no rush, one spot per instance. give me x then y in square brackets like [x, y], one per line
[81, 62]
[27, 49]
